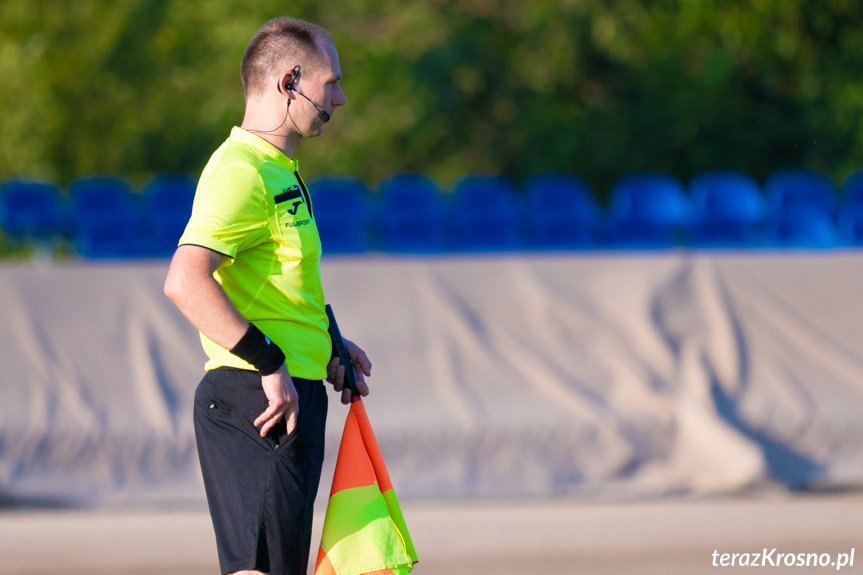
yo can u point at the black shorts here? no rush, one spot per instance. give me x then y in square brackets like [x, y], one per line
[261, 491]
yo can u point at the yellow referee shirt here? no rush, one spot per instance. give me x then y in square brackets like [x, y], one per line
[252, 206]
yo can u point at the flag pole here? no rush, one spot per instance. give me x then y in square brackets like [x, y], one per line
[340, 350]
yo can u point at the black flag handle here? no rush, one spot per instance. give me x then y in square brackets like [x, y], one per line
[340, 350]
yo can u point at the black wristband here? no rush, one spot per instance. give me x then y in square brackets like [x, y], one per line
[256, 348]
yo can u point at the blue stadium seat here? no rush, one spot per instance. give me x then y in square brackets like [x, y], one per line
[485, 214]
[802, 227]
[649, 210]
[851, 224]
[853, 188]
[341, 212]
[563, 211]
[103, 218]
[169, 199]
[807, 189]
[805, 204]
[30, 209]
[411, 214]
[731, 210]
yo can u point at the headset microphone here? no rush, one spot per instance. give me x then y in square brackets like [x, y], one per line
[321, 114]
[289, 85]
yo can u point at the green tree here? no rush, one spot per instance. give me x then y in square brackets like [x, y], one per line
[595, 87]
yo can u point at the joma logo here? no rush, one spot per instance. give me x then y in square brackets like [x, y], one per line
[293, 209]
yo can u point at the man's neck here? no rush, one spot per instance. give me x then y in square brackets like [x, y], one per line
[260, 124]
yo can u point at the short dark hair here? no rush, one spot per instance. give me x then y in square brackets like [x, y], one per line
[284, 42]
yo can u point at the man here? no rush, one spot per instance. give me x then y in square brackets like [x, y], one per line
[247, 275]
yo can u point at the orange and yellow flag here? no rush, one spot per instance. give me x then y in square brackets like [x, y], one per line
[364, 530]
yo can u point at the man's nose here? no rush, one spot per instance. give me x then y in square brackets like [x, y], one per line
[339, 99]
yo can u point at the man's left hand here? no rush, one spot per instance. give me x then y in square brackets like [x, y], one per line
[336, 372]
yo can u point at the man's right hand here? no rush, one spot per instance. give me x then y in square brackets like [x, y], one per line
[283, 401]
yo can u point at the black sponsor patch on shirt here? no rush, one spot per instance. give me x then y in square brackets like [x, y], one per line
[288, 195]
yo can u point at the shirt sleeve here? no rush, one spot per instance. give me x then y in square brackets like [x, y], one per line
[230, 211]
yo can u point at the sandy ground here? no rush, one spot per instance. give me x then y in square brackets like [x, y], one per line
[662, 537]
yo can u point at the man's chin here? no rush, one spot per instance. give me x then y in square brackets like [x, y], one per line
[316, 131]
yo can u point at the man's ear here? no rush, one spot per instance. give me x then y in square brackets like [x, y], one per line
[285, 84]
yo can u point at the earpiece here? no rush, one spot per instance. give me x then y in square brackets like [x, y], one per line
[289, 85]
